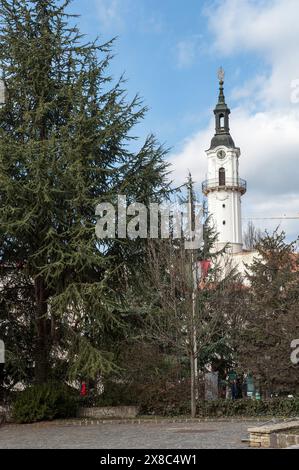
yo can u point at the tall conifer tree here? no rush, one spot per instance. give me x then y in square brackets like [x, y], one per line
[65, 134]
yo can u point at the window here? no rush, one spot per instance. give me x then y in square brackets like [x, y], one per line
[221, 121]
[221, 176]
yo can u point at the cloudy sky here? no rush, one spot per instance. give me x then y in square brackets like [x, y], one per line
[170, 51]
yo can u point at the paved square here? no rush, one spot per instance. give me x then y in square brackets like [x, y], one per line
[163, 435]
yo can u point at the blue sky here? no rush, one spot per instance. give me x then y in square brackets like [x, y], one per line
[163, 49]
[170, 51]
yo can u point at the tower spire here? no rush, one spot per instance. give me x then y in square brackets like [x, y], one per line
[222, 112]
[221, 75]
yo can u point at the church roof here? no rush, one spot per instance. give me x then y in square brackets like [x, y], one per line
[222, 139]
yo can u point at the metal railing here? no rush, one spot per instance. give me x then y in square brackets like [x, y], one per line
[237, 184]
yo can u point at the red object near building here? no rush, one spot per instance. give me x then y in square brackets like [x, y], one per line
[83, 392]
[205, 267]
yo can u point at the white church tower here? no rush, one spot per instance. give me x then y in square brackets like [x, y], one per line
[224, 187]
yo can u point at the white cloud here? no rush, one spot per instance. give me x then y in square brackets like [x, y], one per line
[266, 122]
[187, 50]
[153, 24]
[120, 15]
[269, 28]
[110, 13]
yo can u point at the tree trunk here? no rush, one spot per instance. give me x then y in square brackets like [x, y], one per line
[42, 349]
[1, 383]
[193, 390]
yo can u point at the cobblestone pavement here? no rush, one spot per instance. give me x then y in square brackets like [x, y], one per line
[203, 435]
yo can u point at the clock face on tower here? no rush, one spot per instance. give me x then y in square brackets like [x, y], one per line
[221, 154]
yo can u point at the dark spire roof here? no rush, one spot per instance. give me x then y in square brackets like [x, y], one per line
[222, 112]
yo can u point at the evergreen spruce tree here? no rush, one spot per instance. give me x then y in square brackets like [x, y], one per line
[271, 320]
[65, 134]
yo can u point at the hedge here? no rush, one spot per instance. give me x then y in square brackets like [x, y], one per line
[45, 403]
[287, 407]
[276, 407]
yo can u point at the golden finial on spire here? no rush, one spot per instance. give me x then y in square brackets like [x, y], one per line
[221, 74]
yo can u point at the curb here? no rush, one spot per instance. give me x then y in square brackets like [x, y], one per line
[135, 421]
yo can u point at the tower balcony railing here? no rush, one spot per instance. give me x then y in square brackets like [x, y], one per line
[236, 184]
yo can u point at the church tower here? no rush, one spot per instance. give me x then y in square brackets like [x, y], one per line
[224, 188]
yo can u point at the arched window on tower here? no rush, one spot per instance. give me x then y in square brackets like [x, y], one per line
[221, 121]
[221, 176]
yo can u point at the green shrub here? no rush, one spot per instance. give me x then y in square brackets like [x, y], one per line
[45, 403]
[287, 407]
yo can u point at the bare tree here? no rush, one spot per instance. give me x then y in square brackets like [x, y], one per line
[251, 236]
[192, 320]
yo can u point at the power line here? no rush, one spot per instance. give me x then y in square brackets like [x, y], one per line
[270, 218]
